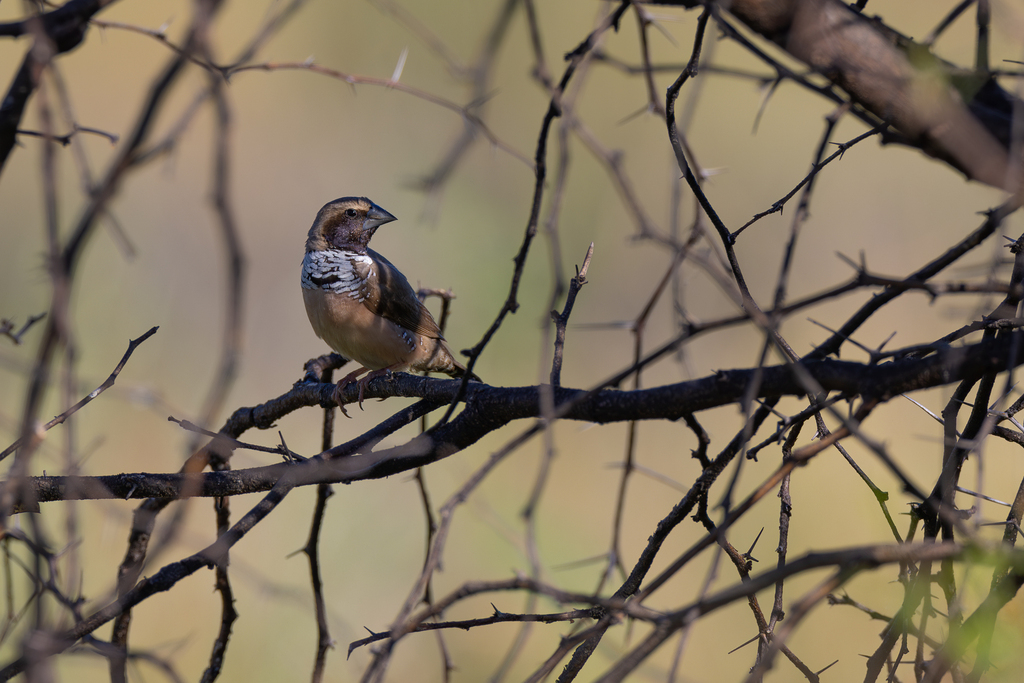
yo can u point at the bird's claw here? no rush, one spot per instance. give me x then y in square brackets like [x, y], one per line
[345, 381]
[361, 383]
[383, 372]
[362, 389]
[340, 400]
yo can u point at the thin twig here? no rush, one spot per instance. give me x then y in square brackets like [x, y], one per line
[107, 383]
[7, 327]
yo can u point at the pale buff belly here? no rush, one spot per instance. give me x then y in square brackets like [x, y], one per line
[352, 330]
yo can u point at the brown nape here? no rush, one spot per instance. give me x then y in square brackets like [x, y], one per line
[340, 225]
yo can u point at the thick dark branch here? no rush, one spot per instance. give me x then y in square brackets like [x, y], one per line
[489, 408]
[65, 22]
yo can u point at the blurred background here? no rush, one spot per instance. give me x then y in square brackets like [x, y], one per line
[300, 139]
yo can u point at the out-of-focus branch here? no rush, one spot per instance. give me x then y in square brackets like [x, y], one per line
[63, 28]
[162, 581]
[7, 327]
[107, 383]
[353, 79]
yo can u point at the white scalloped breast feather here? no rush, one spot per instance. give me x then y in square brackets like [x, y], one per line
[334, 270]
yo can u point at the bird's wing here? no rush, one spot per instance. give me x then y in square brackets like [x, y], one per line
[387, 293]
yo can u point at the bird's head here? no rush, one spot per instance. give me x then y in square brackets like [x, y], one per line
[346, 223]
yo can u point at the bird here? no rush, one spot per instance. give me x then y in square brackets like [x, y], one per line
[360, 303]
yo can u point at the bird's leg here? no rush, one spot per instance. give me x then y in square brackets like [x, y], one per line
[345, 381]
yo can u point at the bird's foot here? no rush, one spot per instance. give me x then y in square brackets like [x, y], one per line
[351, 377]
[338, 400]
[345, 381]
[365, 380]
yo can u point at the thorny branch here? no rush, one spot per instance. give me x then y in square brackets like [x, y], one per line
[951, 535]
[488, 408]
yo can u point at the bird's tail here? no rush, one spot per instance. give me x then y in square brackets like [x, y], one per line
[444, 361]
[459, 371]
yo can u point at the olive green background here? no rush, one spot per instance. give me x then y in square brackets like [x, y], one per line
[300, 139]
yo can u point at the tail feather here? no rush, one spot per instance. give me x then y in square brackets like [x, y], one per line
[444, 361]
[458, 371]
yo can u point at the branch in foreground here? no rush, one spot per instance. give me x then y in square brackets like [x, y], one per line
[490, 408]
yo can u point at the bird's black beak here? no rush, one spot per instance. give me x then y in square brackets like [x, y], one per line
[376, 217]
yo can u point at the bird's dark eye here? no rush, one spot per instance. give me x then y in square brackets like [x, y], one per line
[351, 213]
